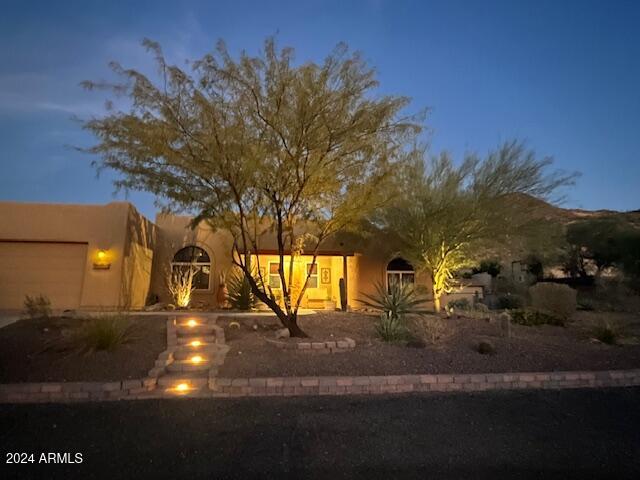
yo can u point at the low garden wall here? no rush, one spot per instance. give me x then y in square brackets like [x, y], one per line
[296, 386]
[332, 346]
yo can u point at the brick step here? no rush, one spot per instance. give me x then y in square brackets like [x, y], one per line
[185, 330]
[185, 351]
[185, 340]
[191, 379]
[189, 366]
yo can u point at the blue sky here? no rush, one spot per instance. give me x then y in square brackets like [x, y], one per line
[563, 75]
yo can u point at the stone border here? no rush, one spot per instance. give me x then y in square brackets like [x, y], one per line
[297, 386]
[334, 346]
[291, 386]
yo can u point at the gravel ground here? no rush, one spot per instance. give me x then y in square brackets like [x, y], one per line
[543, 348]
[22, 358]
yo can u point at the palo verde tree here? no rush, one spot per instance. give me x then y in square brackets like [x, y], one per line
[258, 145]
[450, 214]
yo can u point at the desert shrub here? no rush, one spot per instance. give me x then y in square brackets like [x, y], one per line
[106, 333]
[433, 328]
[38, 306]
[553, 298]
[460, 304]
[531, 317]
[486, 348]
[492, 267]
[607, 331]
[396, 301]
[239, 294]
[610, 295]
[510, 301]
[391, 329]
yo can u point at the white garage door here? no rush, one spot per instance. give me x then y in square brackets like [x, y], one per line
[32, 268]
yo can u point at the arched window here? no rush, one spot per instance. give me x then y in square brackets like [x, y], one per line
[197, 258]
[400, 271]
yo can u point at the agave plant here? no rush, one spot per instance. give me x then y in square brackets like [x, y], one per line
[396, 301]
[239, 294]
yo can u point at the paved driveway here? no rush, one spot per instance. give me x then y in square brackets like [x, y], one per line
[548, 434]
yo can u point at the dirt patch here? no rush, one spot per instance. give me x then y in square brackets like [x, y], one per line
[25, 356]
[542, 348]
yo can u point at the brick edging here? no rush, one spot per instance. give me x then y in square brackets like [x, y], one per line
[73, 391]
[292, 386]
[297, 386]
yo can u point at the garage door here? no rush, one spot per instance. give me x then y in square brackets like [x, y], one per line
[32, 268]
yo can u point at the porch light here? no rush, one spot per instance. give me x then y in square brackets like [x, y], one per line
[101, 260]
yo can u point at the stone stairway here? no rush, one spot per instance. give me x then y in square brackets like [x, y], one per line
[196, 347]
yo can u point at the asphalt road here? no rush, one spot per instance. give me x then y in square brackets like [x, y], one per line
[556, 434]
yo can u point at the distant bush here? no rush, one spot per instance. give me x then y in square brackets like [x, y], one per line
[433, 328]
[510, 301]
[492, 267]
[555, 299]
[460, 304]
[531, 317]
[38, 306]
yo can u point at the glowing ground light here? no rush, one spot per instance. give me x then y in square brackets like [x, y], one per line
[192, 323]
[196, 343]
[180, 388]
[196, 359]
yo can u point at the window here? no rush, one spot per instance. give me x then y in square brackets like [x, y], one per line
[312, 272]
[197, 258]
[274, 276]
[399, 271]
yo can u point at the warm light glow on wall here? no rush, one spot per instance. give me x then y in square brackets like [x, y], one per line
[102, 260]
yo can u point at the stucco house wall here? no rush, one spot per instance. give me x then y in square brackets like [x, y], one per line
[117, 228]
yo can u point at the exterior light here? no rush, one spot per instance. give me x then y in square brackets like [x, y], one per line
[192, 323]
[182, 387]
[101, 260]
[196, 359]
[196, 343]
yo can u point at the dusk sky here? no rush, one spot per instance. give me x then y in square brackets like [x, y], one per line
[562, 75]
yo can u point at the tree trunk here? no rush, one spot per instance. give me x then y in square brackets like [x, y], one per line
[436, 302]
[291, 322]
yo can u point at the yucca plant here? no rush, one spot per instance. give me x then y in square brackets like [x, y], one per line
[396, 301]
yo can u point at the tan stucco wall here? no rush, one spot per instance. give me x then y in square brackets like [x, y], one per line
[174, 233]
[112, 227]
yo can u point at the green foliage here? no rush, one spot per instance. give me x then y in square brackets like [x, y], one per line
[396, 301]
[604, 243]
[38, 306]
[510, 302]
[240, 295]
[104, 333]
[258, 144]
[447, 212]
[492, 267]
[555, 299]
[391, 329]
[531, 317]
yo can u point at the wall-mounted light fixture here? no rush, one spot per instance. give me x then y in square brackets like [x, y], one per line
[102, 260]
